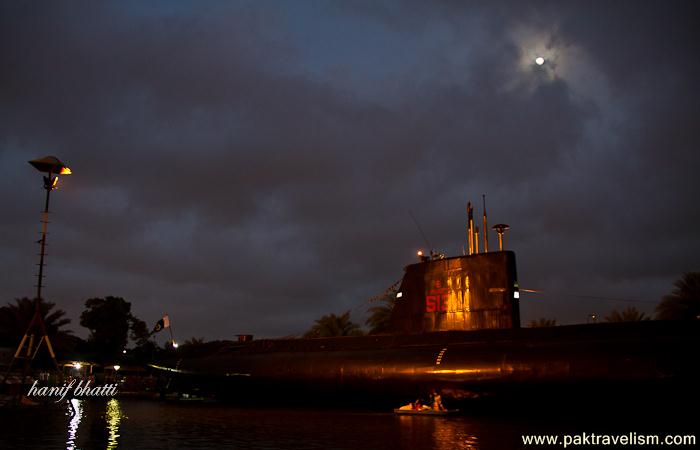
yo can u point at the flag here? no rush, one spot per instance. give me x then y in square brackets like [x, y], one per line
[162, 323]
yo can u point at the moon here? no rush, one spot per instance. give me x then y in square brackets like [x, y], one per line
[539, 60]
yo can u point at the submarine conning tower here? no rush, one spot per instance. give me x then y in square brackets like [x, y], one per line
[473, 292]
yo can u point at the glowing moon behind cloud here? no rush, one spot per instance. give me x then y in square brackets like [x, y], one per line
[539, 60]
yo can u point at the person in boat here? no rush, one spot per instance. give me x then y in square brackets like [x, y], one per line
[437, 401]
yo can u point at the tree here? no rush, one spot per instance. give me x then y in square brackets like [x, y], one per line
[629, 314]
[194, 341]
[332, 325]
[109, 320]
[379, 320]
[542, 322]
[139, 332]
[683, 303]
[15, 318]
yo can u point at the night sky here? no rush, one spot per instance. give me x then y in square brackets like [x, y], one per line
[249, 166]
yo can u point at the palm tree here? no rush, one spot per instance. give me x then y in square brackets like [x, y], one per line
[630, 314]
[379, 320]
[332, 325]
[683, 303]
[15, 318]
[542, 322]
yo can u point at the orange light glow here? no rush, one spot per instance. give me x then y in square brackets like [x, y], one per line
[420, 252]
[54, 182]
[65, 171]
[480, 371]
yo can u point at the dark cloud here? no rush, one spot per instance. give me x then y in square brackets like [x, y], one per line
[249, 167]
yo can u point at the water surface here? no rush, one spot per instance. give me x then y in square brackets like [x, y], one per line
[147, 424]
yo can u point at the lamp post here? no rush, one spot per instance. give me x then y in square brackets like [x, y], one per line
[53, 167]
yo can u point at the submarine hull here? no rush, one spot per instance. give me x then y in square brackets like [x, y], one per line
[654, 356]
[455, 327]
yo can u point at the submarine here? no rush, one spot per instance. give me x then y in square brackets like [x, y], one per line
[455, 328]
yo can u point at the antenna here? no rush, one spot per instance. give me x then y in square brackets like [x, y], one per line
[470, 227]
[427, 242]
[486, 228]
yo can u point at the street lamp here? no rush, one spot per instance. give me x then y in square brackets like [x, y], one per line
[52, 167]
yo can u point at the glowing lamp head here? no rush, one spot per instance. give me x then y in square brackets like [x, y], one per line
[175, 344]
[117, 367]
[539, 60]
[420, 253]
[78, 365]
[50, 164]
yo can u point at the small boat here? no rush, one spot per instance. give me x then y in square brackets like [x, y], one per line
[425, 412]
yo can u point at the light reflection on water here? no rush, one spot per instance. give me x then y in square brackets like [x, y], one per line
[144, 424]
[454, 435]
[443, 433]
[75, 411]
[153, 425]
[114, 417]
